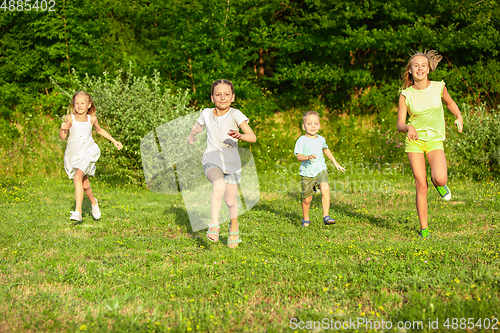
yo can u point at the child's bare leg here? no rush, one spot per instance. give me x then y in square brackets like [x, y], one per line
[216, 177]
[88, 190]
[306, 205]
[417, 162]
[78, 180]
[230, 197]
[325, 192]
[439, 169]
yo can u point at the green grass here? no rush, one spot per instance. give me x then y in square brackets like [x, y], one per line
[140, 268]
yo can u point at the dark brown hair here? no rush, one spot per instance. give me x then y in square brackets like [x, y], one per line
[221, 81]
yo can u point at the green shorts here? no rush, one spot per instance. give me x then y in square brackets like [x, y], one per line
[309, 182]
[421, 146]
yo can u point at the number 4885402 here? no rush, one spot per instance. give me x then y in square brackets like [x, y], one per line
[28, 5]
[471, 323]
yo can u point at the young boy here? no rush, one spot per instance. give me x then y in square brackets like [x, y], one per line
[309, 149]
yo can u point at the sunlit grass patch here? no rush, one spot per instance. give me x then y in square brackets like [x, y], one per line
[141, 267]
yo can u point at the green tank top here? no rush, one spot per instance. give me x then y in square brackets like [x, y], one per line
[425, 108]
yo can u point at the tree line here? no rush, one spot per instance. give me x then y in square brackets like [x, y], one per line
[348, 54]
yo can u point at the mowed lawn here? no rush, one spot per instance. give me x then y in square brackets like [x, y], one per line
[140, 267]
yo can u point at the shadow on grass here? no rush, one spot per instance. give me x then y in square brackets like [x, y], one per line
[390, 223]
[181, 216]
[294, 216]
[182, 220]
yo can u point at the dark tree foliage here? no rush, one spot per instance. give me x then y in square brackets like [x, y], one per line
[280, 54]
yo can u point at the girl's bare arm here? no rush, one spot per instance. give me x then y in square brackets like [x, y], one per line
[453, 107]
[197, 128]
[105, 134]
[248, 136]
[65, 126]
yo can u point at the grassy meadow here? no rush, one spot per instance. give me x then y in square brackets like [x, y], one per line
[141, 269]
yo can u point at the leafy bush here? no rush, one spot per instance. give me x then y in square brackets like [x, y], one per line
[27, 147]
[29, 144]
[476, 152]
[129, 109]
[387, 146]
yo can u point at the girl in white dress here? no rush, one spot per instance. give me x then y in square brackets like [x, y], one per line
[81, 151]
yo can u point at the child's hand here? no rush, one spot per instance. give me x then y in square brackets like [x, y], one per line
[118, 145]
[65, 126]
[339, 167]
[311, 157]
[191, 140]
[460, 125]
[234, 134]
[412, 133]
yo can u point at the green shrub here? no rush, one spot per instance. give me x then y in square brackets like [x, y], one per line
[476, 152]
[129, 109]
[29, 143]
[28, 148]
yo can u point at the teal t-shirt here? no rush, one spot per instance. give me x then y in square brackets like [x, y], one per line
[308, 146]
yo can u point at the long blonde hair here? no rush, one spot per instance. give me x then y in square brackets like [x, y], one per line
[71, 107]
[434, 59]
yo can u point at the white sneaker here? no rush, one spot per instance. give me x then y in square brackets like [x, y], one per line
[76, 216]
[96, 212]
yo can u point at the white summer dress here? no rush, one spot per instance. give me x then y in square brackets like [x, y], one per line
[81, 151]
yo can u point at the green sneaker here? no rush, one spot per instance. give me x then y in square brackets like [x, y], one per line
[424, 233]
[443, 191]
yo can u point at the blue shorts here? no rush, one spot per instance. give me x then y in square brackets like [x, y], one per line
[229, 178]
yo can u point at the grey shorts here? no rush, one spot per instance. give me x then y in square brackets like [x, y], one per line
[229, 178]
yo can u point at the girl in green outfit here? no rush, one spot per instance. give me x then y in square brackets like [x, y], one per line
[423, 99]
